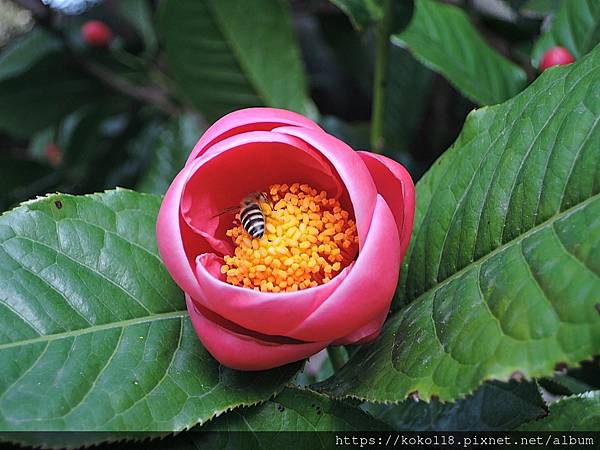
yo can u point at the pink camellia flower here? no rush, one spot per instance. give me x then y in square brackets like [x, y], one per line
[330, 226]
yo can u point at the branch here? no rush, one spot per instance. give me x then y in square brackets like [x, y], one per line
[148, 94]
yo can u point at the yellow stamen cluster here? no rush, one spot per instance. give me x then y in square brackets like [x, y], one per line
[309, 238]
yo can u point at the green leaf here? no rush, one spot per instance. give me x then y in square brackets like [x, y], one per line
[576, 27]
[297, 410]
[362, 13]
[562, 384]
[50, 89]
[540, 7]
[170, 146]
[493, 407]
[228, 54]
[578, 413]
[442, 38]
[292, 420]
[94, 334]
[504, 267]
[26, 51]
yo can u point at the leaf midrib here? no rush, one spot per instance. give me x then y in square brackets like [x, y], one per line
[548, 222]
[96, 328]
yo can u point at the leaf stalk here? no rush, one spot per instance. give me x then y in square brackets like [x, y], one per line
[338, 357]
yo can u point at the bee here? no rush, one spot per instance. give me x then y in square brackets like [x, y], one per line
[252, 216]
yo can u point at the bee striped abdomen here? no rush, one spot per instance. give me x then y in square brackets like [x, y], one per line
[253, 220]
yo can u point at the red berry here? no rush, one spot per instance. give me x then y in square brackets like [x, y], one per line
[556, 56]
[96, 33]
[53, 153]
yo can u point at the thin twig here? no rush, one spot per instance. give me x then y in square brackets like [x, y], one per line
[148, 94]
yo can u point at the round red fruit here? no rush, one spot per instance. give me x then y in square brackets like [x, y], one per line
[53, 153]
[96, 33]
[556, 56]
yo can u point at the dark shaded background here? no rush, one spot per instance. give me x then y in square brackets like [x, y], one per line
[77, 127]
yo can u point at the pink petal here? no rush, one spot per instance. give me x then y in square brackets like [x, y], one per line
[365, 334]
[243, 352]
[176, 242]
[367, 291]
[245, 163]
[351, 169]
[356, 296]
[250, 119]
[394, 183]
[273, 313]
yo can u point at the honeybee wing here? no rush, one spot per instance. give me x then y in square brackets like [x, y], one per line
[265, 197]
[229, 210]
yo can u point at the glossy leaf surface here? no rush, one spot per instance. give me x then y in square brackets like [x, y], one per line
[228, 54]
[503, 273]
[442, 37]
[94, 334]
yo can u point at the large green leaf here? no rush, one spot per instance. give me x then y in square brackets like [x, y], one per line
[297, 410]
[442, 38]
[576, 27]
[577, 413]
[39, 97]
[294, 419]
[94, 335]
[493, 407]
[170, 146]
[504, 267]
[562, 384]
[228, 54]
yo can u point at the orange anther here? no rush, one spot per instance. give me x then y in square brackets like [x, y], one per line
[309, 238]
